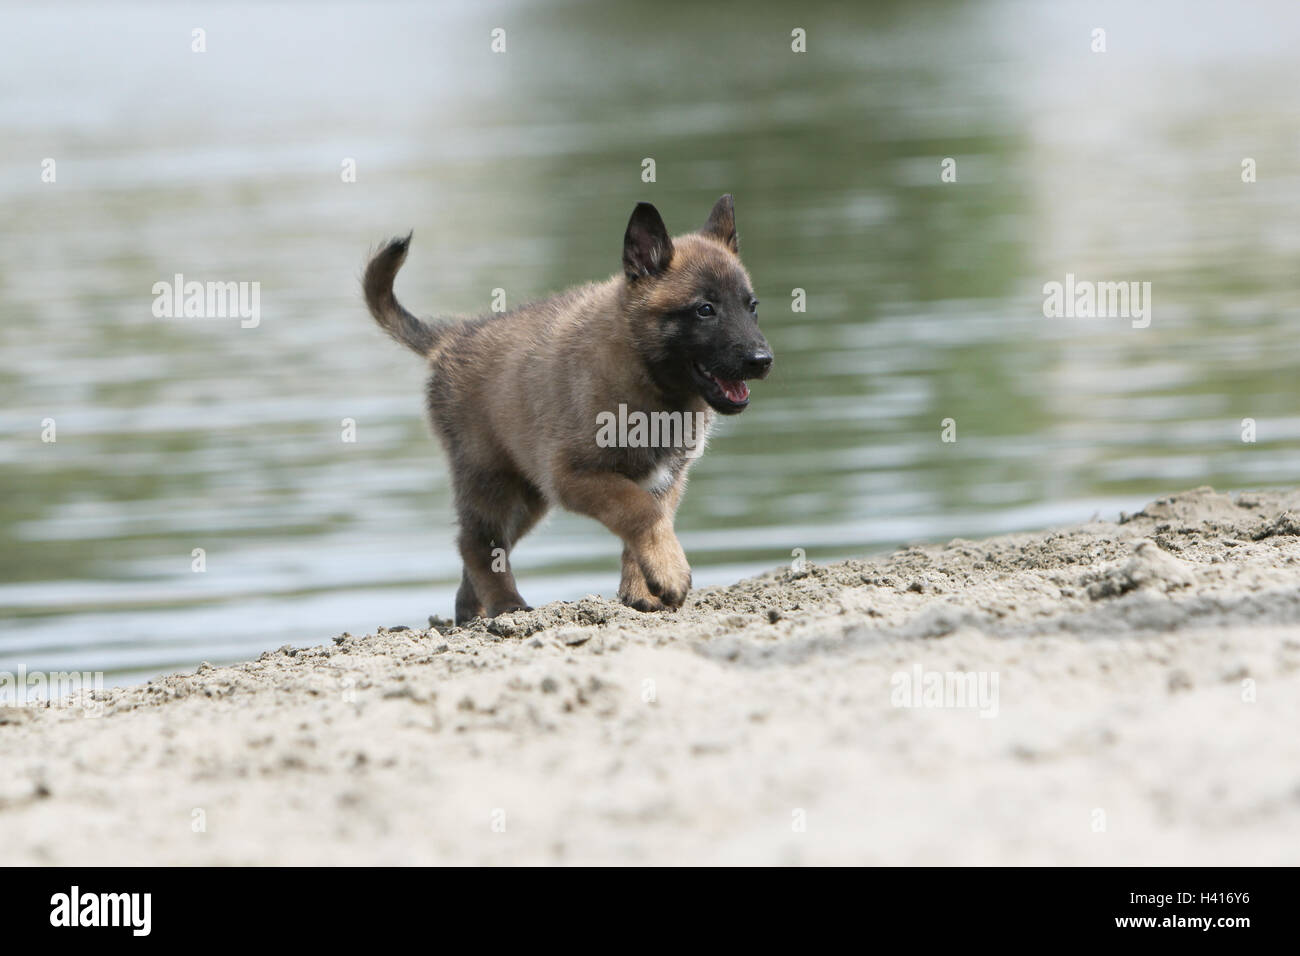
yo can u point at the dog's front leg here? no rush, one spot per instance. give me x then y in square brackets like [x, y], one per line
[632, 588]
[644, 523]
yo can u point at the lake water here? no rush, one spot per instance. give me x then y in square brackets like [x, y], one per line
[517, 171]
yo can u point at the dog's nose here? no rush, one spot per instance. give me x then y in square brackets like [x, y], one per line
[758, 364]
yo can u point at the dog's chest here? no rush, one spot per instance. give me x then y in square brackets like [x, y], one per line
[661, 477]
[653, 449]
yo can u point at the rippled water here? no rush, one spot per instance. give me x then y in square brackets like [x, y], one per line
[518, 171]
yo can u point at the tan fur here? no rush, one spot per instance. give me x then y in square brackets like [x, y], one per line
[515, 400]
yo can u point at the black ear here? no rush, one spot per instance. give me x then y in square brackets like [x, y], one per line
[647, 248]
[722, 223]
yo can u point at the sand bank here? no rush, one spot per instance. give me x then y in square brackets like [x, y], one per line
[1105, 693]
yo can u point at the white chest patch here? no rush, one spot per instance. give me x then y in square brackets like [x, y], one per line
[659, 480]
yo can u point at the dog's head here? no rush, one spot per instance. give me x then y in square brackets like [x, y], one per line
[693, 308]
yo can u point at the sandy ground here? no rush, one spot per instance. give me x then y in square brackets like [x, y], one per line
[1140, 705]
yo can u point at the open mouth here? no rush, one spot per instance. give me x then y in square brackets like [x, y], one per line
[724, 394]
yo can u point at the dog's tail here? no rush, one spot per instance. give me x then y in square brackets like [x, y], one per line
[416, 334]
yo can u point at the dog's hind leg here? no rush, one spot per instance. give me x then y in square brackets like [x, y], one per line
[468, 606]
[495, 511]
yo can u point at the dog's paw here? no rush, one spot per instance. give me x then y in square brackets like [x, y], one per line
[667, 575]
[646, 602]
[507, 609]
[633, 592]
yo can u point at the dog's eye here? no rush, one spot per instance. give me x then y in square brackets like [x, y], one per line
[704, 311]
[753, 306]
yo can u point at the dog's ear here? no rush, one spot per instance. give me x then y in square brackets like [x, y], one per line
[722, 223]
[647, 247]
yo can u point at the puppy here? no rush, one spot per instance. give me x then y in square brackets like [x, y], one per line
[524, 402]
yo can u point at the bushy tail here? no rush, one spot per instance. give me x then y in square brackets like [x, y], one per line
[415, 334]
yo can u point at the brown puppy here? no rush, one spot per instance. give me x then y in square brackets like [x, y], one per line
[533, 406]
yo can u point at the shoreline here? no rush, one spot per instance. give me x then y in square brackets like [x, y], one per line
[1107, 693]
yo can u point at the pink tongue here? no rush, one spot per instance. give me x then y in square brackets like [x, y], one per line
[735, 391]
